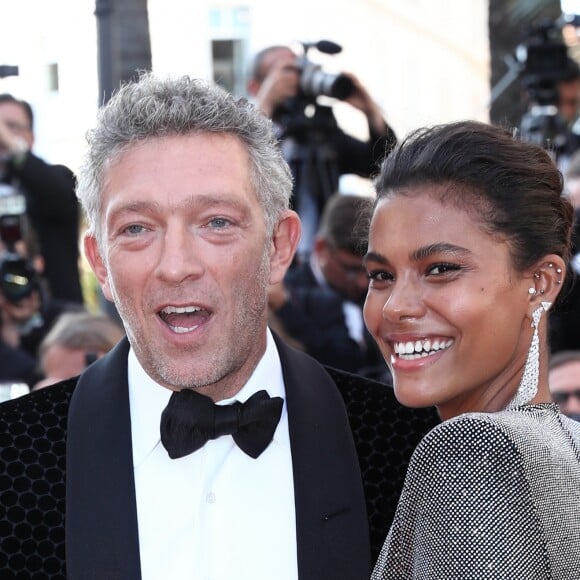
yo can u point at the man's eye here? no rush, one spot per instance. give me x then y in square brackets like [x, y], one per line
[134, 229]
[219, 223]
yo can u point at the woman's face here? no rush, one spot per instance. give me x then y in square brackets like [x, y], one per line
[445, 305]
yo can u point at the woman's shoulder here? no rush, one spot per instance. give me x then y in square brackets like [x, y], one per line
[469, 429]
[500, 424]
[500, 437]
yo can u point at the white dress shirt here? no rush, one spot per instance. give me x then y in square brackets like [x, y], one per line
[216, 514]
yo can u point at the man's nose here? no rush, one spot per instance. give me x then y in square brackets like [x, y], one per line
[180, 256]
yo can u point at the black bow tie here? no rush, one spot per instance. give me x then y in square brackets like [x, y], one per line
[191, 419]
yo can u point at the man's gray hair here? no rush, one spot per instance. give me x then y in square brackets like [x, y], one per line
[154, 107]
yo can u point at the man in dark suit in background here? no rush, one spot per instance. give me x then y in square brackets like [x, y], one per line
[319, 303]
[187, 196]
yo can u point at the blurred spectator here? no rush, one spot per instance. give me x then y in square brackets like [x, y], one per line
[51, 203]
[564, 380]
[565, 319]
[572, 181]
[16, 366]
[317, 150]
[319, 304]
[75, 340]
[568, 89]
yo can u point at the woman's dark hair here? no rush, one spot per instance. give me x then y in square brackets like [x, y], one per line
[513, 186]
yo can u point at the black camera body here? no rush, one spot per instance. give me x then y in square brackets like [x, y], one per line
[18, 277]
[314, 82]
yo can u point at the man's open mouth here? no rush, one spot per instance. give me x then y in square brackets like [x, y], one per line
[183, 319]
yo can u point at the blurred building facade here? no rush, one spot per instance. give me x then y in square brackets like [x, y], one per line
[424, 61]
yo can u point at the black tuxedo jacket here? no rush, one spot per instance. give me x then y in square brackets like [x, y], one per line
[66, 450]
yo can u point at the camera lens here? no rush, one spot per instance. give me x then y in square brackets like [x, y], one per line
[17, 278]
[315, 82]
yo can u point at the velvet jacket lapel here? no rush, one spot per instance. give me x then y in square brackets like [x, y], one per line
[332, 529]
[101, 515]
[101, 522]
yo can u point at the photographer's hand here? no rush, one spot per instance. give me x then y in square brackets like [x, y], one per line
[362, 100]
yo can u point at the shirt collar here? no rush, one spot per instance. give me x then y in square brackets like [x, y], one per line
[147, 398]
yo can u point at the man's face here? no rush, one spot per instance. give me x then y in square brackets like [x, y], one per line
[569, 99]
[14, 117]
[565, 387]
[187, 260]
[282, 59]
[343, 270]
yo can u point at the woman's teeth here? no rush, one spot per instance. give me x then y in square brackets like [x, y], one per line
[421, 348]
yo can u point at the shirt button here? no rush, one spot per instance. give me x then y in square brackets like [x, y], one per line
[210, 497]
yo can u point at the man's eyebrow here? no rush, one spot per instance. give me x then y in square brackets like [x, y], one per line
[422, 253]
[194, 201]
[135, 207]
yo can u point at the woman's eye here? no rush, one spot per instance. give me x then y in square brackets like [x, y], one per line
[376, 277]
[438, 269]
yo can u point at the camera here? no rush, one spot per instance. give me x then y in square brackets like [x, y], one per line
[544, 63]
[314, 82]
[302, 116]
[18, 277]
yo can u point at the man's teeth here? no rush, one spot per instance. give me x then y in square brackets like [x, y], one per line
[169, 310]
[182, 329]
[180, 309]
[421, 348]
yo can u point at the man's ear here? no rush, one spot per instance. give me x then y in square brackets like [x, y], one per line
[284, 243]
[97, 264]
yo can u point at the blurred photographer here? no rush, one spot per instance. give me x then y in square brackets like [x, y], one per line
[49, 192]
[286, 87]
[550, 80]
[27, 310]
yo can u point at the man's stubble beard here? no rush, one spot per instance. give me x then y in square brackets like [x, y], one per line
[224, 361]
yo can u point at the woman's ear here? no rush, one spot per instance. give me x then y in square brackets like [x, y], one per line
[547, 278]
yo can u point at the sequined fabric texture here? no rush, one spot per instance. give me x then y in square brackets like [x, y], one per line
[490, 497]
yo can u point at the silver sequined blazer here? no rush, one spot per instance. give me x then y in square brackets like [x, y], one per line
[490, 496]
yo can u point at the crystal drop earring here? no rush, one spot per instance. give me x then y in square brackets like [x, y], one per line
[528, 386]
